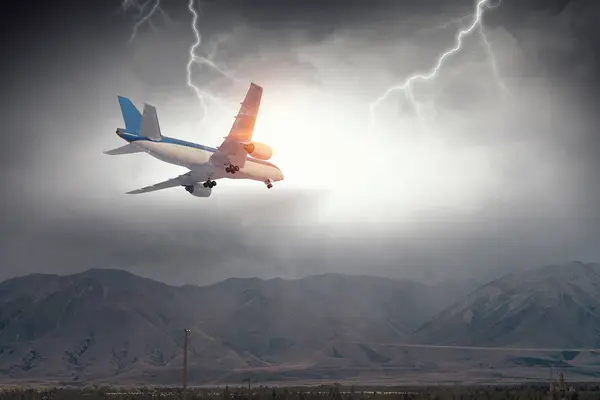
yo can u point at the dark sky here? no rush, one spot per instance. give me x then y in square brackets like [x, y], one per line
[494, 168]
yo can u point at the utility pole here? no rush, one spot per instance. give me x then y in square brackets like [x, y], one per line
[185, 351]
[249, 379]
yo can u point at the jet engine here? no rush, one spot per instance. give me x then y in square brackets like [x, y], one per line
[198, 190]
[258, 150]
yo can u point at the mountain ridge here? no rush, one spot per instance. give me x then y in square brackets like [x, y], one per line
[543, 307]
[112, 325]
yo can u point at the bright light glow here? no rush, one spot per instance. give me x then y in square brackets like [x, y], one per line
[320, 144]
[323, 143]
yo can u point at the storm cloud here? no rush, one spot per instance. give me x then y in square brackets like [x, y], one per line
[498, 173]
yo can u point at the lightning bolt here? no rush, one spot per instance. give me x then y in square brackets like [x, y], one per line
[492, 58]
[146, 10]
[432, 74]
[196, 59]
[193, 58]
[453, 21]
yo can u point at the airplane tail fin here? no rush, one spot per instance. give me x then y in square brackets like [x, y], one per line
[131, 115]
[150, 127]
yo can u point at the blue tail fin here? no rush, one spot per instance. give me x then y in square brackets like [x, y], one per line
[131, 115]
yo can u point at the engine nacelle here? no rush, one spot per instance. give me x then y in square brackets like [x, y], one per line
[198, 190]
[258, 150]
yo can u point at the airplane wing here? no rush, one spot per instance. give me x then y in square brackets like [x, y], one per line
[182, 180]
[232, 150]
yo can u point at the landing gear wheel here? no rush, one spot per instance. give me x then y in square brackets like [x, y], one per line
[209, 184]
[232, 169]
[269, 186]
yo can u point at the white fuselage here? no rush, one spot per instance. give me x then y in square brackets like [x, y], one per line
[194, 156]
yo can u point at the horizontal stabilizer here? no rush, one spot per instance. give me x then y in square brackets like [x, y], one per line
[127, 149]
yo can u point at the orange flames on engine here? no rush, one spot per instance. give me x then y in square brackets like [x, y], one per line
[249, 148]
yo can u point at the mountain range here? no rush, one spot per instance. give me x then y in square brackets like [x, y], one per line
[107, 325]
[554, 307]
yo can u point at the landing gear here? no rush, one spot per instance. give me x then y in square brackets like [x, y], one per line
[269, 184]
[232, 169]
[209, 184]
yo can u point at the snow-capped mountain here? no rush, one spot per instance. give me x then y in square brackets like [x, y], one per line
[554, 307]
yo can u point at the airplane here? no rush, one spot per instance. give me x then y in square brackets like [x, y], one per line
[238, 157]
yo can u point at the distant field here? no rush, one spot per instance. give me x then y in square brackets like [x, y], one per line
[530, 391]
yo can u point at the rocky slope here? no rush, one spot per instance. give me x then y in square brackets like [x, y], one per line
[552, 307]
[112, 324]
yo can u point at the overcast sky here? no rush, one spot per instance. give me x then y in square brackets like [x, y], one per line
[492, 167]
